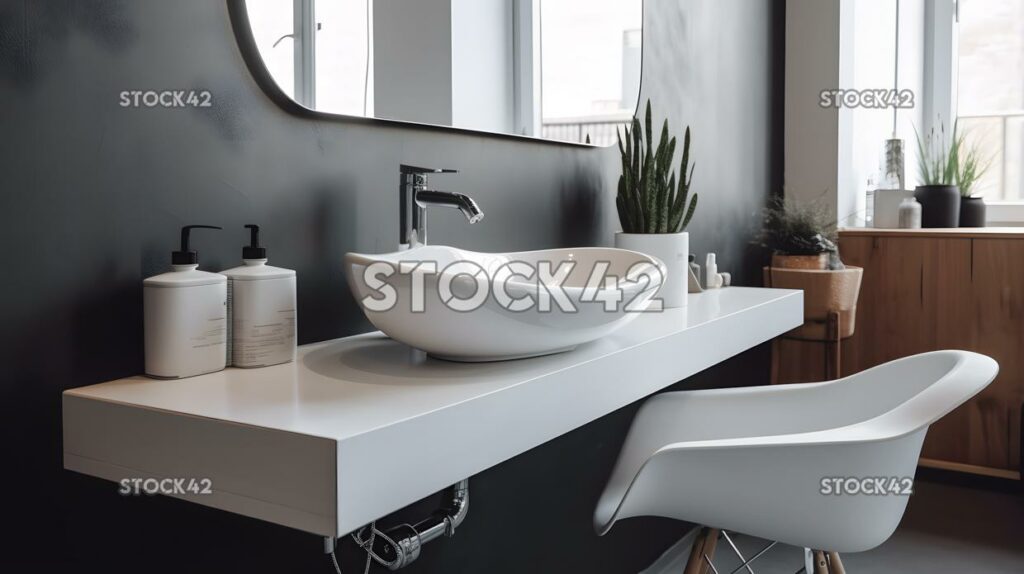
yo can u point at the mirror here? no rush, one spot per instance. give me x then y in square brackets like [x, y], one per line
[566, 70]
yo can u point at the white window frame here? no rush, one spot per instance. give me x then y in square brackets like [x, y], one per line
[940, 74]
[304, 30]
[526, 67]
[941, 80]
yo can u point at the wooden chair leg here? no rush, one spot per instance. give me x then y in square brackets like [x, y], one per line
[709, 549]
[696, 551]
[703, 545]
[835, 565]
[820, 563]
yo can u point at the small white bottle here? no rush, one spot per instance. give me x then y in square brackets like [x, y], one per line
[711, 278]
[261, 309]
[185, 316]
[909, 213]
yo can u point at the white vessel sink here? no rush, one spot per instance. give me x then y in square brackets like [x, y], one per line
[493, 330]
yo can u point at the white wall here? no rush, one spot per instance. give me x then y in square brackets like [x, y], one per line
[483, 94]
[847, 44]
[412, 70]
[867, 62]
[811, 132]
[447, 62]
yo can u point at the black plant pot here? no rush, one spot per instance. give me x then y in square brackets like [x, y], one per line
[972, 211]
[940, 205]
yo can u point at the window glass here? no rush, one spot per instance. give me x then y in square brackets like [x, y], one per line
[990, 91]
[344, 59]
[272, 28]
[591, 67]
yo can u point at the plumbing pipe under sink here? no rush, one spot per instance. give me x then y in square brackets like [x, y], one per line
[405, 541]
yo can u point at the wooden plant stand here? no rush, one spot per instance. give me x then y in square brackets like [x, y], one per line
[802, 350]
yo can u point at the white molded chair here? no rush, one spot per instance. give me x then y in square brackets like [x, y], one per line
[752, 460]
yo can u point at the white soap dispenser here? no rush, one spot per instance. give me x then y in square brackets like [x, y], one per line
[261, 309]
[185, 315]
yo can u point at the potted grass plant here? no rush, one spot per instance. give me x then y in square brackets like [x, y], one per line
[970, 168]
[805, 256]
[949, 170]
[937, 192]
[654, 205]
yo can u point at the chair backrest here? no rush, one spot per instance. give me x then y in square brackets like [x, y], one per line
[951, 377]
[688, 454]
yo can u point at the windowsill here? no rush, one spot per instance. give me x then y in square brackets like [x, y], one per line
[1005, 213]
[992, 232]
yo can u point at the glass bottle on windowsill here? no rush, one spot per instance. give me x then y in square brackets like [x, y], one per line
[869, 202]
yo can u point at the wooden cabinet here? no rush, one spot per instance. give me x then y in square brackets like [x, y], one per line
[947, 289]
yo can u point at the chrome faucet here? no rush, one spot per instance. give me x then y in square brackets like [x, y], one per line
[415, 196]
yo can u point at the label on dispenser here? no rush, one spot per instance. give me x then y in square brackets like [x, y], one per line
[186, 330]
[262, 325]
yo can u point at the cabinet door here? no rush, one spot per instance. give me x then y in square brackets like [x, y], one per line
[925, 294]
[914, 298]
[986, 430]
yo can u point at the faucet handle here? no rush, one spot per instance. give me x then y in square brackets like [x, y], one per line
[424, 170]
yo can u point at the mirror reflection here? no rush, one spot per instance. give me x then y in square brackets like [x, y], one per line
[566, 70]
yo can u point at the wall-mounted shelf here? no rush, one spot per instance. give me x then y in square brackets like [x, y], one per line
[359, 427]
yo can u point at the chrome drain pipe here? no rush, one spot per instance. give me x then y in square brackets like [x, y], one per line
[409, 539]
[402, 544]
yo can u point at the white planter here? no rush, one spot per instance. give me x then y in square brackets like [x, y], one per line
[673, 249]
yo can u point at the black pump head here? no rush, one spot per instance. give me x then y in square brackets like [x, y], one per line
[253, 250]
[186, 256]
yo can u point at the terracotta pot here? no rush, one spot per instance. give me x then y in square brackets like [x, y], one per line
[819, 261]
[824, 291]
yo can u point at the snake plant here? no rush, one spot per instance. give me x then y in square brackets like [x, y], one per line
[649, 199]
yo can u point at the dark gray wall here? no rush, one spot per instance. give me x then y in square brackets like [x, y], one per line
[92, 195]
[716, 67]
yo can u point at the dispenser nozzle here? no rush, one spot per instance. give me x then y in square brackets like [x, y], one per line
[186, 256]
[254, 235]
[253, 250]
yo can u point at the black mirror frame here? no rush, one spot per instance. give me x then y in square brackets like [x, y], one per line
[239, 16]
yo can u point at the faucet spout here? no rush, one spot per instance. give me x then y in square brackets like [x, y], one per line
[459, 201]
[415, 196]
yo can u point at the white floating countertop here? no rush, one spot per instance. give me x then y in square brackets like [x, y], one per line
[362, 426]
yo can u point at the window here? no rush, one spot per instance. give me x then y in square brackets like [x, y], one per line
[990, 91]
[961, 60]
[273, 29]
[591, 68]
[344, 56]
